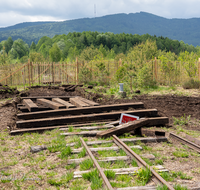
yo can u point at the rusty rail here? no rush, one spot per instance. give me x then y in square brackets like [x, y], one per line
[105, 179]
[186, 142]
[157, 177]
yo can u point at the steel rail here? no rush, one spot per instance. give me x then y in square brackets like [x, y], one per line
[140, 162]
[186, 142]
[105, 179]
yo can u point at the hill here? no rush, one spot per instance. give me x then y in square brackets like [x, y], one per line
[187, 30]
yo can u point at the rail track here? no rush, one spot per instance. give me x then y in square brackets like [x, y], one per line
[186, 142]
[156, 178]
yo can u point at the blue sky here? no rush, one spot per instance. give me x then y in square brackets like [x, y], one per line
[18, 11]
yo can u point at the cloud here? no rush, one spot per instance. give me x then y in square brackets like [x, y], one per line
[12, 11]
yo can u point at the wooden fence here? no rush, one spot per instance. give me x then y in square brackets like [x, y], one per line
[68, 73]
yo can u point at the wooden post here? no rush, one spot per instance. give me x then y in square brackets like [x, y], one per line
[39, 71]
[52, 72]
[77, 70]
[29, 79]
[31, 64]
[199, 69]
[155, 69]
[120, 62]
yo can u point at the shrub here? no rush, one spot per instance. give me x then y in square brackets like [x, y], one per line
[191, 84]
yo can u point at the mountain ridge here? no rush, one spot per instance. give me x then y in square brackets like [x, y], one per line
[187, 30]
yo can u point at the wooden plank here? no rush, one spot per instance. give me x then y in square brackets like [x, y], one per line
[60, 101]
[91, 103]
[50, 104]
[69, 120]
[90, 128]
[151, 132]
[121, 171]
[115, 148]
[123, 128]
[77, 111]
[83, 133]
[78, 103]
[134, 140]
[34, 98]
[30, 105]
[40, 108]
[14, 132]
[109, 159]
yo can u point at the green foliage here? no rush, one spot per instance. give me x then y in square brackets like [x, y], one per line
[143, 176]
[181, 154]
[55, 53]
[110, 174]
[85, 75]
[179, 187]
[191, 84]
[86, 164]
[134, 163]
[63, 181]
[94, 178]
[181, 121]
[65, 152]
[82, 153]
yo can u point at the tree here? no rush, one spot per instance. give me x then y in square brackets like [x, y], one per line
[33, 46]
[55, 53]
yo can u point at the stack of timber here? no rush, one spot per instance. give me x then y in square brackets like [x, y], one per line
[34, 104]
[79, 113]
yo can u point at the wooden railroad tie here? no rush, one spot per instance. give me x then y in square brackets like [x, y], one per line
[78, 103]
[124, 128]
[63, 102]
[30, 105]
[50, 104]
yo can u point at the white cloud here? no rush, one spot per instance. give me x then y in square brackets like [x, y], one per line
[12, 11]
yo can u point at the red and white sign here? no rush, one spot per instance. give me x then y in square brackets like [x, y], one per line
[125, 118]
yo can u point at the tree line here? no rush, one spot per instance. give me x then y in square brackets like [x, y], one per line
[85, 45]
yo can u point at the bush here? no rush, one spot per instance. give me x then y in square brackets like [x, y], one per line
[191, 84]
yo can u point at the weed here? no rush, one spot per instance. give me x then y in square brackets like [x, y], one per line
[164, 187]
[159, 161]
[124, 178]
[137, 151]
[71, 166]
[181, 121]
[82, 153]
[179, 187]
[86, 164]
[180, 154]
[167, 176]
[71, 129]
[93, 177]
[110, 174]
[51, 174]
[148, 161]
[65, 152]
[134, 163]
[143, 176]
[78, 144]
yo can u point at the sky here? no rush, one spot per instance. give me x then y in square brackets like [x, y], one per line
[17, 11]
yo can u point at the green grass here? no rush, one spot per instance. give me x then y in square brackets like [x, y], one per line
[180, 154]
[65, 152]
[93, 177]
[86, 164]
[82, 153]
[182, 120]
[143, 176]
[71, 166]
[110, 174]
[134, 163]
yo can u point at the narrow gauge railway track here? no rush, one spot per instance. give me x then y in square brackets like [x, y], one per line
[156, 177]
[186, 142]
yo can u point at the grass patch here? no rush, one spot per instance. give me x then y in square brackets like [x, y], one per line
[93, 177]
[181, 154]
[181, 121]
[143, 176]
[82, 153]
[110, 174]
[71, 166]
[134, 163]
[86, 164]
[65, 152]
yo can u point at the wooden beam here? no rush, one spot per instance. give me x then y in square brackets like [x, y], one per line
[77, 111]
[82, 133]
[30, 105]
[34, 98]
[90, 128]
[134, 140]
[123, 128]
[39, 129]
[50, 104]
[78, 103]
[60, 101]
[109, 159]
[115, 148]
[69, 120]
[91, 103]
[121, 171]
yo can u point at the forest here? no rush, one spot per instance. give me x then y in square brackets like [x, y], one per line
[99, 55]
